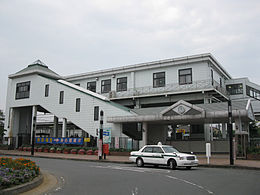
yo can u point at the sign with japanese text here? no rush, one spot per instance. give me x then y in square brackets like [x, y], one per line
[64, 140]
[107, 135]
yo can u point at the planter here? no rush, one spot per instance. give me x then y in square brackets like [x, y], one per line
[28, 149]
[73, 151]
[52, 151]
[81, 151]
[89, 152]
[46, 150]
[96, 152]
[25, 149]
[253, 156]
[58, 151]
[39, 150]
[66, 151]
[20, 148]
[119, 153]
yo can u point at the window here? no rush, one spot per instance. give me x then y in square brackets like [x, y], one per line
[185, 76]
[91, 86]
[121, 84]
[159, 79]
[254, 93]
[105, 86]
[77, 104]
[61, 97]
[235, 89]
[220, 82]
[22, 90]
[157, 150]
[96, 113]
[148, 149]
[78, 84]
[47, 90]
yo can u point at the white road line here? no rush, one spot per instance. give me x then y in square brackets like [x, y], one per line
[188, 182]
[119, 168]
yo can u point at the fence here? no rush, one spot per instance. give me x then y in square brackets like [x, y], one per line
[124, 143]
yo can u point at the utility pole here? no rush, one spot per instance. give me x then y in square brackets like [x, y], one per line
[100, 141]
[230, 130]
[33, 135]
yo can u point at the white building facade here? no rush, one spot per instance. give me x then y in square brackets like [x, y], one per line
[174, 101]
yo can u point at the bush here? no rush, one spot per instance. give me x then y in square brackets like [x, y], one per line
[253, 150]
[17, 171]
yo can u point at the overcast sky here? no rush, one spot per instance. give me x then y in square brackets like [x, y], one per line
[73, 37]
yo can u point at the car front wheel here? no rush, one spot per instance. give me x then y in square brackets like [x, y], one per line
[139, 162]
[172, 164]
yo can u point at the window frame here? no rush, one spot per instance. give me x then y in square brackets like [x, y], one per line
[23, 90]
[96, 113]
[185, 76]
[61, 98]
[161, 78]
[77, 105]
[121, 86]
[235, 89]
[104, 85]
[89, 86]
[47, 89]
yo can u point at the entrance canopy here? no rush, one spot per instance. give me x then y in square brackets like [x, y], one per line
[184, 112]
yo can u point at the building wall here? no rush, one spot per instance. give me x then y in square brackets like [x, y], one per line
[83, 119]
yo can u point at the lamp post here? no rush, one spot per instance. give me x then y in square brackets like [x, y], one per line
[230, 130]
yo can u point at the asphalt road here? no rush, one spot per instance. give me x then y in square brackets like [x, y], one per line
[82, 177]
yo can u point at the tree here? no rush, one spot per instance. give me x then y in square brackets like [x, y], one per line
[254, 129]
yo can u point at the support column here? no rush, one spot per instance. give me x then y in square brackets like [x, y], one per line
[144, 135]
[11, 126]
[224, 130]
[207, 132]
[64, 127]
[33, 125]
[55, 126]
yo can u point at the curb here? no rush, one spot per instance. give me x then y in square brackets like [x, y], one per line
[23, 187]
[125, 162]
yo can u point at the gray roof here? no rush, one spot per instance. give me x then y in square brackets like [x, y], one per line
[223, 106]
[37, 67]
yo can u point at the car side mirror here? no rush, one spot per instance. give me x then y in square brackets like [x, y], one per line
[174, 153]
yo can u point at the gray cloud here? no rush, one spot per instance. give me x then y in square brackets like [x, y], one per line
[79, 36]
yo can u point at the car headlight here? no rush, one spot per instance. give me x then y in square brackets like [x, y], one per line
[182, 158]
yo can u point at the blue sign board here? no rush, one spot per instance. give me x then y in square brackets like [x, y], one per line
[64, 140]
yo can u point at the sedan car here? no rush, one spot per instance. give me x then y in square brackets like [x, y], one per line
[163, 155]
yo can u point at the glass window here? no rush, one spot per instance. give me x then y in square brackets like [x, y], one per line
[121, 84]
[77, 104]
[169, 149]
[96, 113]
[61, 97]
[185, 76]
[105, 86]
[157, 150]
[78, 84]
[159, 79]
[148, 149]
[47, 90]
[235, 89]
[22, 90]
[252, 92]
[91, 86]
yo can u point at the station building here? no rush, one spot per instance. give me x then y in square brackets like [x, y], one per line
[179, 101]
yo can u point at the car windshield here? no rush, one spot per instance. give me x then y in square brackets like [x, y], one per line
[169, 149]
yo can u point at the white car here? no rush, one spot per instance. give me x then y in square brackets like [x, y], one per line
[163, 155]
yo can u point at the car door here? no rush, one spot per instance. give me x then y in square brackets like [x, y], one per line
[147, 155]
[158, 155]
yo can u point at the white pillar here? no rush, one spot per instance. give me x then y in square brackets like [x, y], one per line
[55, 126]
[64, 127]
[224, 130]
[33, 125]
[11, 126]
[144, 133]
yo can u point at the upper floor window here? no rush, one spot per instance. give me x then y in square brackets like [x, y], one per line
[121, 84]
[22, 90]
[61, 97]
[159, 79]
[91, 86]
[77, 104]
[252, 92]
[185, 76]
[235, 89]
[105, 86]
[47, 90]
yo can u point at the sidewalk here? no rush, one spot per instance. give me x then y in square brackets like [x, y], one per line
[215, 160]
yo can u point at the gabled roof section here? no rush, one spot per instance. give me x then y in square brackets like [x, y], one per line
[182, 108]
[37, 67]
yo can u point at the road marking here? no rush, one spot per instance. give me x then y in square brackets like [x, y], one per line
[119, 168]
[188, 182]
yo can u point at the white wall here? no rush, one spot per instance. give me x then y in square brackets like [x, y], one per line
[83, 119]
